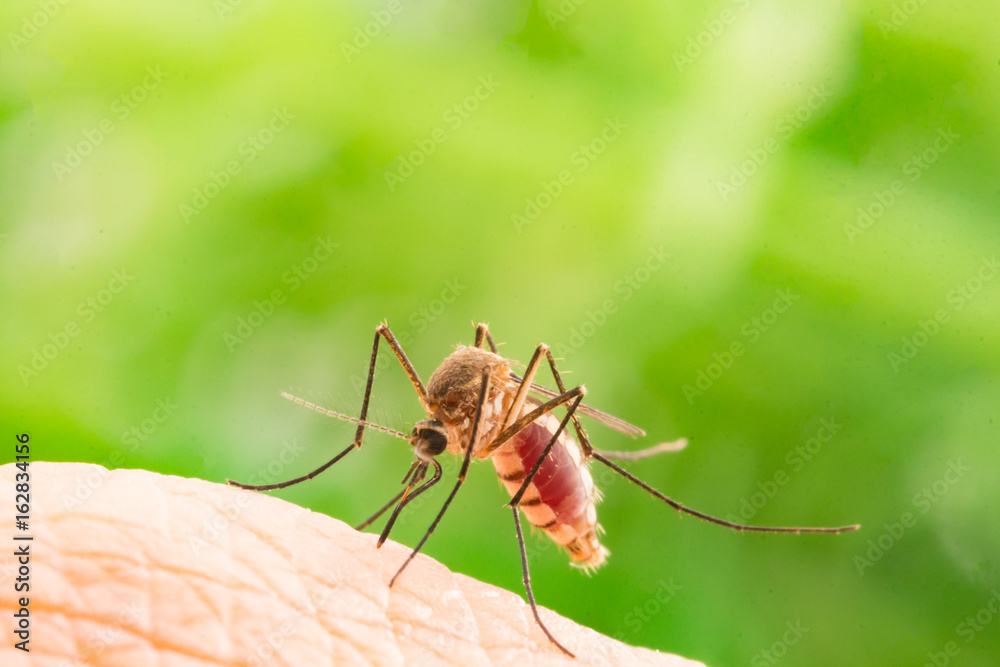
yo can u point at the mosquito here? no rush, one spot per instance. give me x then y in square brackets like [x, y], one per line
[478, 407]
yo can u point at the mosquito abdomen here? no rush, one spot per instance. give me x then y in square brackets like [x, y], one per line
[561, 498]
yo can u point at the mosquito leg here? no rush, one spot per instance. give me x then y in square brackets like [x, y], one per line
[483, 333]
[581, 434]
[542, 409]
[407, 497]
[522, 391]
[381, 332]
[661, 448]
[516, 498]
[397, 349]
[374, 517]
[585, 440]
[588, 448]
[527, 584]
[701, 515]
[415, 467]
[487, 374]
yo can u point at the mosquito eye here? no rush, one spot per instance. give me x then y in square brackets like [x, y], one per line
[436, 441]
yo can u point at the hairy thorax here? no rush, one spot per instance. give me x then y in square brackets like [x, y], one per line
[453, 391]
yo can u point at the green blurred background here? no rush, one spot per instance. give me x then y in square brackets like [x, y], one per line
[205, 204]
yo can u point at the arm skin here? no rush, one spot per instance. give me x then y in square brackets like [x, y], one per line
[133, 568]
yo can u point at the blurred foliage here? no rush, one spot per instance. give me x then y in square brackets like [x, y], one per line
[769, 227]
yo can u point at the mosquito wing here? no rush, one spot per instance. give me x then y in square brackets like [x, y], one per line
[608, 420]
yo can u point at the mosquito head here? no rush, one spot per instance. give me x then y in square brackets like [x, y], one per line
[429, 438]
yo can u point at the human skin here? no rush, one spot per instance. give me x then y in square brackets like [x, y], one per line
[133, 568]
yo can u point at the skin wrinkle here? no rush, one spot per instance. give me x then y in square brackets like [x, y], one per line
[411, 623]
[466, 638]
[160, 642]
[164, 567]
[146, 568]
[346, 644]
[493, 621]
[207, 604]
[402, 627]
[385, 601]
[379, 602]
[58, 565]
[269, 586]
[188, 650]
[223, 611]
[141, 636]
[291, 610]
[305, 591]
[445, 656]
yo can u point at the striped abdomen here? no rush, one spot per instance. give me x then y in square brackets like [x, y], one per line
[561, 497]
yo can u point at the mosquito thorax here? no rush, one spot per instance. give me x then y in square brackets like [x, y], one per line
[453, 389]
[429, 438]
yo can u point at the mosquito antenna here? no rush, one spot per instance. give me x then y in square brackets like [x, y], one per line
[346, 418]
[701, 515]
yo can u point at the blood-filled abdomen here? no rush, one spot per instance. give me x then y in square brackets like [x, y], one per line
[560, 499]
